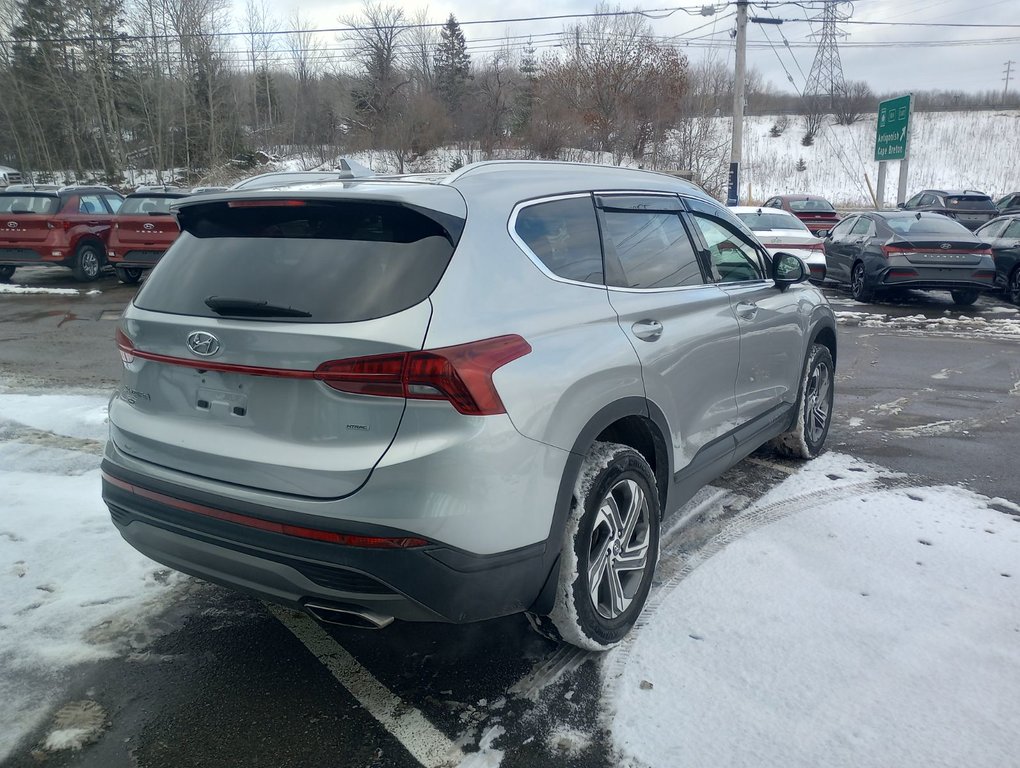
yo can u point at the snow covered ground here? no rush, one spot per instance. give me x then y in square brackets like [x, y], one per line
[71, 590]
[877, 626]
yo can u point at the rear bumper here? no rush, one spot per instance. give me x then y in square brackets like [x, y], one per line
[34, 257]
[134, 259]
[435, 582]
[936, 279]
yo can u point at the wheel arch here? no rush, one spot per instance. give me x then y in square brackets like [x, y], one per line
[632, 421]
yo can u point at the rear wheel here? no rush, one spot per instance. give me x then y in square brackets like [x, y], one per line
[1013, 287]
[965, 298]
[859, 287]
[88, 262]
[128, 275]
[610, 548]
[6, 273]
[814, 408]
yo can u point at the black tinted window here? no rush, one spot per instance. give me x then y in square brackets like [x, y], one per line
[653, 249]
[564, 235]
[973, 202]
[141, 206]
[338, 261]
[932, 224]
[807, 206]
[28, 204]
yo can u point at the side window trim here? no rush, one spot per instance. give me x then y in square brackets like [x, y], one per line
[535, 259]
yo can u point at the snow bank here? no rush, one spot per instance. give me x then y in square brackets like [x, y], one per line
[879, 630]
[71, 590]
[4, 288]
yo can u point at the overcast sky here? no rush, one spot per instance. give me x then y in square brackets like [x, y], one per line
[868, 52]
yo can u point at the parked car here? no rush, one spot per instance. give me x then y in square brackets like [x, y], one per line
[142, 232]
[445, 401]
[782, 231]
[1008, 203]
[879, 251]
[816, 212]
[46, 225]
[9, 176]
[1003, 235]
[971, 209]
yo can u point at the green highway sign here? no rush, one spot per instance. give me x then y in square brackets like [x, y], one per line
[892, 129]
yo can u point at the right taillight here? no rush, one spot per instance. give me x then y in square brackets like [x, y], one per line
[461, 374]
[126, 347]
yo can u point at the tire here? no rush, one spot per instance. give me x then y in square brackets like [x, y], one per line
[814, 408]
[611, 538]
[88, 263]
[859, 287]
[965, 298]
[6, 273]
[128, 275]
[1013, 287]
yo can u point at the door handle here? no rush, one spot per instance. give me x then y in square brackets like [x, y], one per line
[747, 310]
[647, 330]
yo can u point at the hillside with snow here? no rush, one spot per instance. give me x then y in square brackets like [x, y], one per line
[972, 150]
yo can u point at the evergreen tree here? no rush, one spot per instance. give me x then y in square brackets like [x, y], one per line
[524, 101]
[453, 65]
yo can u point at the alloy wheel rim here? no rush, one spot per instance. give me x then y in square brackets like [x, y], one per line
[618, 549]
[90, 263]
[857, 282]
[818, 408]
[1014, 287]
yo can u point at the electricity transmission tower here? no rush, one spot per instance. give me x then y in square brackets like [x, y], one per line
[826, 85]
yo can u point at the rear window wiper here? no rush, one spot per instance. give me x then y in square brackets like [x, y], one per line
[222, 305]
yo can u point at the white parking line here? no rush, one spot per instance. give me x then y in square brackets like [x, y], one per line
[426, 743]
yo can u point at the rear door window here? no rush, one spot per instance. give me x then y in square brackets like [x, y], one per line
[862, 227]
[91, 204]
[1013, 230]
[305, 261]
[113, 202]
[564, 236]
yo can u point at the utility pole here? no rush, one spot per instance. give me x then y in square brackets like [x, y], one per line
[739, 76]
[1006, 76]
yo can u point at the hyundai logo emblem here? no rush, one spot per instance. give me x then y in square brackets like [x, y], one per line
[12, 225]
[148, 225]
[946, 246]
[202, 343]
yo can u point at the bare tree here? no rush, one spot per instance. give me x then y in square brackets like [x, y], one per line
[854, 102]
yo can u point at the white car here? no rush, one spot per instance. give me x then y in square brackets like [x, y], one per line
[781, 231]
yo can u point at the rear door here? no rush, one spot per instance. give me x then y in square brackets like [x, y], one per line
[771, 335]
[89, 213]
[681, 326]
[253, 298]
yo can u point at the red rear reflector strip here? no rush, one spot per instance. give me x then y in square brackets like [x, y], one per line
[902, 273]
[984, 274]
[331, 537]
[265, 203]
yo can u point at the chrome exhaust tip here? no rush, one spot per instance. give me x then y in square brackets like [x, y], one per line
[348, 617]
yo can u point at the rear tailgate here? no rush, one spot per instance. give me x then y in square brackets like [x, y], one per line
[25, 218]
[226, 389]
[971, 210]
[146, 233]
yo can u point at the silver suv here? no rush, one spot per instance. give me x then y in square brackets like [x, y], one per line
[458, 399]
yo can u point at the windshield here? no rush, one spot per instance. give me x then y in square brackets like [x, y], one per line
[811, 206]
[763, 221]
[141, 206]
[322, 262]
[909, 224]
[20, 203]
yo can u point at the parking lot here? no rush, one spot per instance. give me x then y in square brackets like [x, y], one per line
[927, 392]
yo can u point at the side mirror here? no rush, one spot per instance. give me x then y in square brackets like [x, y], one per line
[901, 206]
[788, 270]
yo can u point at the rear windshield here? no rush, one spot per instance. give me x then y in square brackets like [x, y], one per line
[811, 206]
[326, 262]
[19, 203]
[976, 202]
[764, 221]
[141, 206]
[909, 224]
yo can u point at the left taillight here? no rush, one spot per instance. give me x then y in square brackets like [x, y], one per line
[126, 347]
[461, 374]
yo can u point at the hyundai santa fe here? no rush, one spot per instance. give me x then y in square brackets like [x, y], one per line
[456, 399]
